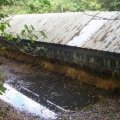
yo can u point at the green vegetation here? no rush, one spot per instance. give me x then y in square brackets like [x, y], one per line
[28, 32]
[4, 24]
[2, 89]
[45, 6]
[110, 5]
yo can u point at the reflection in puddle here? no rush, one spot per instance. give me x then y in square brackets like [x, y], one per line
[25, 104]
[58, 94]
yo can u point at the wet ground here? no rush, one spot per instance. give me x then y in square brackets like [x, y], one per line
[32, 92]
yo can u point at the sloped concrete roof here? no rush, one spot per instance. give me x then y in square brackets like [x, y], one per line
[94, 30]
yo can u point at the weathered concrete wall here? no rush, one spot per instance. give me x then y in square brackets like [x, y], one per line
[100, 63]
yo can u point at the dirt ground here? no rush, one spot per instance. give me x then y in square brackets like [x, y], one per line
[107, 108]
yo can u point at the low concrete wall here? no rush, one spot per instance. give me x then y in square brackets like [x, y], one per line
[101, 63]
[104, 64]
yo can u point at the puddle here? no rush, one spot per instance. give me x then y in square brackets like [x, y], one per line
[25, 104]
[55, 92]
[44, 94]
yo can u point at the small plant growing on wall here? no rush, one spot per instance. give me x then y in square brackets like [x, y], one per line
[28, 32]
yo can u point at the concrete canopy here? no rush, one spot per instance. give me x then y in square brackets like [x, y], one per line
[93, 30]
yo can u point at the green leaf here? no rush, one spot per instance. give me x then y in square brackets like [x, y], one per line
[2, 89]
[9, 37]
[32, 27]
[26, 27]
[23, 32]
[36, 36]
[18, 37]
[8, 24]
[43, 34]
[2, 27]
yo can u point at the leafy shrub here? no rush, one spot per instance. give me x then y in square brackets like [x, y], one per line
[37, 6]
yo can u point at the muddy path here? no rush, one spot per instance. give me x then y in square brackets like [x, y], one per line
[61, 96]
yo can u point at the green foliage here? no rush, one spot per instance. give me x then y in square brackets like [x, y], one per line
[74, 5]
[1, 16]
[31, 34]
[110, 5]
[28, 32]
[37, 6]
[3, 25]
[2, 89]
[90, 5]
[44, 6]
[5, 2]
[62, 5]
